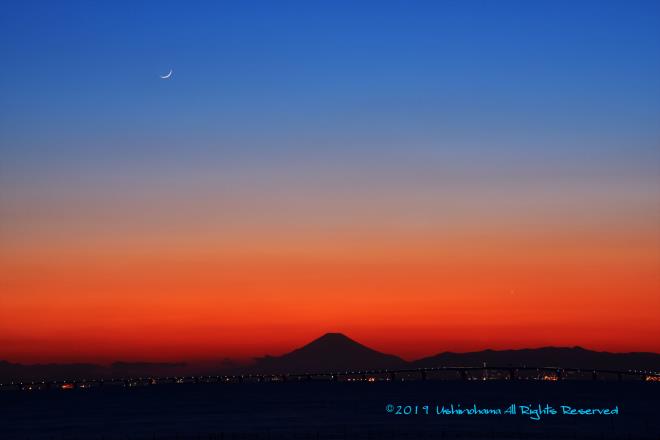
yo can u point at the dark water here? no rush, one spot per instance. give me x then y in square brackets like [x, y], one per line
[328, 410]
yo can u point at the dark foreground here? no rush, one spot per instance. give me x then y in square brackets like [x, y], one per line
[329, 410]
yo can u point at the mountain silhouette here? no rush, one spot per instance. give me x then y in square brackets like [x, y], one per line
[334, 352]
[567, 357]
[330, 352]
[11, 371]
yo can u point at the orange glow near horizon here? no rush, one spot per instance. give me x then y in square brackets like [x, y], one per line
[411, 297]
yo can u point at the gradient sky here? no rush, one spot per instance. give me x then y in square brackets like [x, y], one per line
[422, 176]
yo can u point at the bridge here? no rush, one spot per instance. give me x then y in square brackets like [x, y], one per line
[379, 375]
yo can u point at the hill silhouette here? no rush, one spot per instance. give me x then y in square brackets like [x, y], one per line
[330, 352]
[567, 357]
[13, 371]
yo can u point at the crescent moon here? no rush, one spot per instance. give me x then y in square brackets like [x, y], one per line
[166, 76]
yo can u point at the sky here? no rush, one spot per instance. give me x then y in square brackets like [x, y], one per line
[422, 176]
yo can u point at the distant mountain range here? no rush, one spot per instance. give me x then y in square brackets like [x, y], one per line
[337, 352]
[566, 357]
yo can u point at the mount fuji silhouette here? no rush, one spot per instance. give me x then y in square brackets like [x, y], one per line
[330, 352]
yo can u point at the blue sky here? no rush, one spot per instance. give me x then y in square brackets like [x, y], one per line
[538, 68]
[532, 88]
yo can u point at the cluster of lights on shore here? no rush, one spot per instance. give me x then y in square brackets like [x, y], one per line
[347, 376]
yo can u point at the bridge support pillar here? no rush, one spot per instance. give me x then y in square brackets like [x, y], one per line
[463, 374]
[423, 375]
[512, 374]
